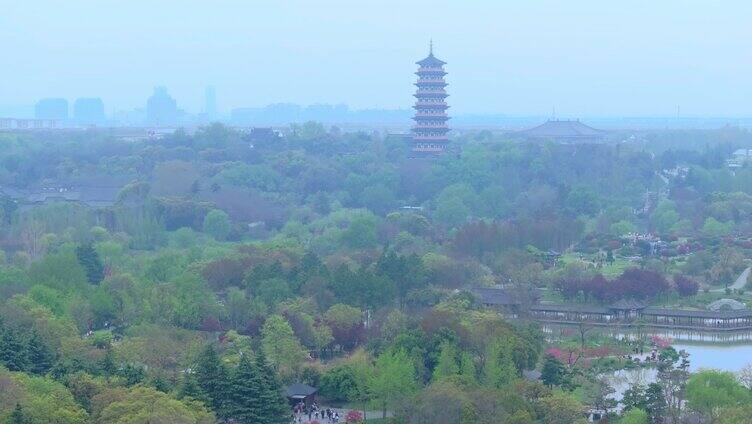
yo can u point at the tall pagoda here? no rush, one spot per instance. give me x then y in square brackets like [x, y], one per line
[430, 129]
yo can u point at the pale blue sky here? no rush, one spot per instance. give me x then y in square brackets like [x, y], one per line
[586, 58]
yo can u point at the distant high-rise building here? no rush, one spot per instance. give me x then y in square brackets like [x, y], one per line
[89, 111]
[430, 129]
[210, 102]
[161, 108]
[51, 109]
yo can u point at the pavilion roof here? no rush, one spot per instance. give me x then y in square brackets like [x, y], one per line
[299, 389]
[628, 305]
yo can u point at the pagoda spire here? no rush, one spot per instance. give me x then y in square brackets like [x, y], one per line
[430, 47]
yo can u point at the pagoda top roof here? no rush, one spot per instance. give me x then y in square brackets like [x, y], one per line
[557, 128]
[431, 60]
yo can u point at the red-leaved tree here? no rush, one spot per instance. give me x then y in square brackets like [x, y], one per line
[353, 417]
[686, 286]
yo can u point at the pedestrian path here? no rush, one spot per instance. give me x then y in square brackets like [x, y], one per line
[369, 415]
[740, 282]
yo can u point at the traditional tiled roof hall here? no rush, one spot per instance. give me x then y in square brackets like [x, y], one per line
[564, 131]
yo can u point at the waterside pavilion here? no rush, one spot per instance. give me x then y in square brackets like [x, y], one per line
[623, 313]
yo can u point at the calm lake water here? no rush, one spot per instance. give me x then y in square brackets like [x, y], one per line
[717, 356]
[726, 351]
[721, 357]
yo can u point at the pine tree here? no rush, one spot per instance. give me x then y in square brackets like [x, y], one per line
[655, 402]
[89, 259]
[132, 374]
[213, 378]
[467, 369]
[634, 397]
[190, 388]
[552, 373]
[40, 356]
[447, 364]
[276, 410]
[499, 368]
[161, 384]
[107, 364]
[246, 402]
[18, 417]
[12, 349]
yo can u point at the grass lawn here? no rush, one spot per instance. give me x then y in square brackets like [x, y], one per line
[615, 269]
[609, 271]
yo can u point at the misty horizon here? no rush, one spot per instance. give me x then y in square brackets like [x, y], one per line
[585, 59]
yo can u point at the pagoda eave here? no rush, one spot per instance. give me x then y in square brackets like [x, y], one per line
[431, 106]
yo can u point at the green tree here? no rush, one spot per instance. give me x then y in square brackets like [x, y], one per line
[467, 369]
[407, 271]
[499, 369]
[145, 405]
[715, 228]
[213, 378]
[582, 200]
[393, 380]
[378, 198]
[275, 409]
[39, 354]
[42, 400]
[107, 364]
[445, 402]
[452, 212]
[13, 353]
[447, 365]
[60, 271]
[553, 371]
[281, 346]
[561, 408]
[634, 397]
[622, 227]
[664, 216]
[345, 322]
[599, 394]
[189, 387]
[217, 224]
[244, 402]
[634, 416]
[736, 415]
[655, 402]
[708, 392]
[340, 383]
[89, 259]
[17, 416]
[360, 233]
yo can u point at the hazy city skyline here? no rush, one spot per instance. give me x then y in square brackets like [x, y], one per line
[584, 58]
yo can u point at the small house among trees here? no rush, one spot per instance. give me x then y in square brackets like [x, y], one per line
[299, 392]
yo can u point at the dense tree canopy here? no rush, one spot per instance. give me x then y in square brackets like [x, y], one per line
[189, 278]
